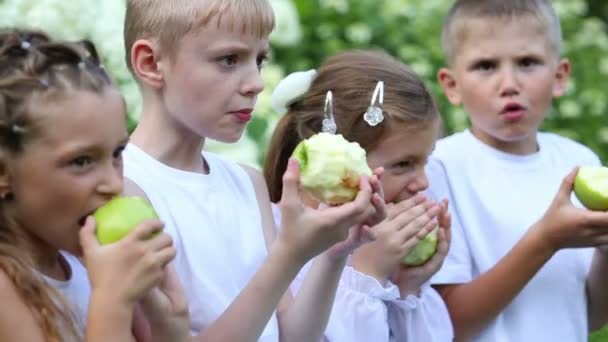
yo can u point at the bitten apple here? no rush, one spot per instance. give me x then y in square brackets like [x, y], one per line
[591, 187]
[424, 250]
[119, 216]
[330, 167]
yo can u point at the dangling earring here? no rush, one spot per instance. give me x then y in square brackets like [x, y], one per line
[373, 116]
[329, 124]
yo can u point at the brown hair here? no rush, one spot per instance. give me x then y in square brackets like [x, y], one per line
[455, 21]
[352, 77]
[168, 21]
[34, 69]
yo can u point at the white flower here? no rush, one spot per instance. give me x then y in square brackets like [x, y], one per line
[290, 89]
[287, 30]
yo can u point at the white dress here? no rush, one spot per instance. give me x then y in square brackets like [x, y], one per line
[364, 310]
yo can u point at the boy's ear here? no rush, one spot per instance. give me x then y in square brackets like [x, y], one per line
[144, 61]
[448, 84]
[562, 75]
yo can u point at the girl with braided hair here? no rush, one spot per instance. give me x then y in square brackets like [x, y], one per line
[62, 132]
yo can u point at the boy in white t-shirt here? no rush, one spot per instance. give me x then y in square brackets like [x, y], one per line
[514, 272]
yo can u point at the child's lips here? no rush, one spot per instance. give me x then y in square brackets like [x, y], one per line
[243, 115]
[513, 112]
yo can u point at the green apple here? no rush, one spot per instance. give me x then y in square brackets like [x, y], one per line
[119, 216]
[424, 250]
[591, 187]
[330, 167]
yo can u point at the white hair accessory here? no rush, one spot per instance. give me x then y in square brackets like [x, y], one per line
[290, 89]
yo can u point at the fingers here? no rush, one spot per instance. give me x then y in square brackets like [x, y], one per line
[417, 216]
[444, 218]
[145, 230]
[567, 184]
[88, 239]
[291, 184]
[397, 209]
[165, 255]
[380, 210]
[357, 211]
[160, 241]
[375, 182]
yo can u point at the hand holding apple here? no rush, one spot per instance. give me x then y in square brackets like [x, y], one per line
[566, 226]
[119, 216]
[127, 269]
[406, 224]
[330, 167]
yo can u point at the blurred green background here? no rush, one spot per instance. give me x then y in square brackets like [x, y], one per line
[310, 30]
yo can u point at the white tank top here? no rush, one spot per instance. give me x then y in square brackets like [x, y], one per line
[76, 290]
[216, 226]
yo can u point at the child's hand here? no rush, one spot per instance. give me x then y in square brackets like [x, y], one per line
[565, 226]
[163, 312]
[406, 224]
[410, 279]
[363, 233]
[307, 232]
[129, 268]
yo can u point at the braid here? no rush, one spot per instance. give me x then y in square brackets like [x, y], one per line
[33, 67]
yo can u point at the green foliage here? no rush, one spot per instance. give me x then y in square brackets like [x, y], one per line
[599, 336]
[410, 30]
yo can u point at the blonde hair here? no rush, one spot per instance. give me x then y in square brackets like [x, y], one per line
[352, 77]
[168, 21]
[462, 10]
[35, 69]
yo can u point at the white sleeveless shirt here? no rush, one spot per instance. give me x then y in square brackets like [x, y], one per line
[76, 290]
[216, 226]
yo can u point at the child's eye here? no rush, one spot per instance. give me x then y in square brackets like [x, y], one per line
[261, 61]
[118, 152]
[81, 161]
[229, 60]
[404, 164]
[528, 62]
[485, 66]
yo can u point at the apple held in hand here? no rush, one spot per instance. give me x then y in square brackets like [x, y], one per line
[330, 167]
[119, 216]
[424, 250]
[591, 187]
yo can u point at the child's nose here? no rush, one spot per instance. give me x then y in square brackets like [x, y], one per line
[253, 84]
[508, 82]
[419, 183]
[111, 183]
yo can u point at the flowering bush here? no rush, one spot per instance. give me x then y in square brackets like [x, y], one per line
[310, 30]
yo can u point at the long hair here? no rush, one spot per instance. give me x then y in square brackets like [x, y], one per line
[33, 68]
[352, 77]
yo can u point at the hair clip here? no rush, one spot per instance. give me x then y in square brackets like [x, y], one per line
[25, 45]
[373, 116]
[329, 124]
[16, 129]
[82, 65]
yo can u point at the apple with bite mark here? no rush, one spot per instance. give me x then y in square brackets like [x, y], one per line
[330, 167]
[591, 187]
[119, 216]
[424, 250]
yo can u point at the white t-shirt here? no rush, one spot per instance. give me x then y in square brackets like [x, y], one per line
[494, 198]
[366, 311]
[76, 290]
[216, 226]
